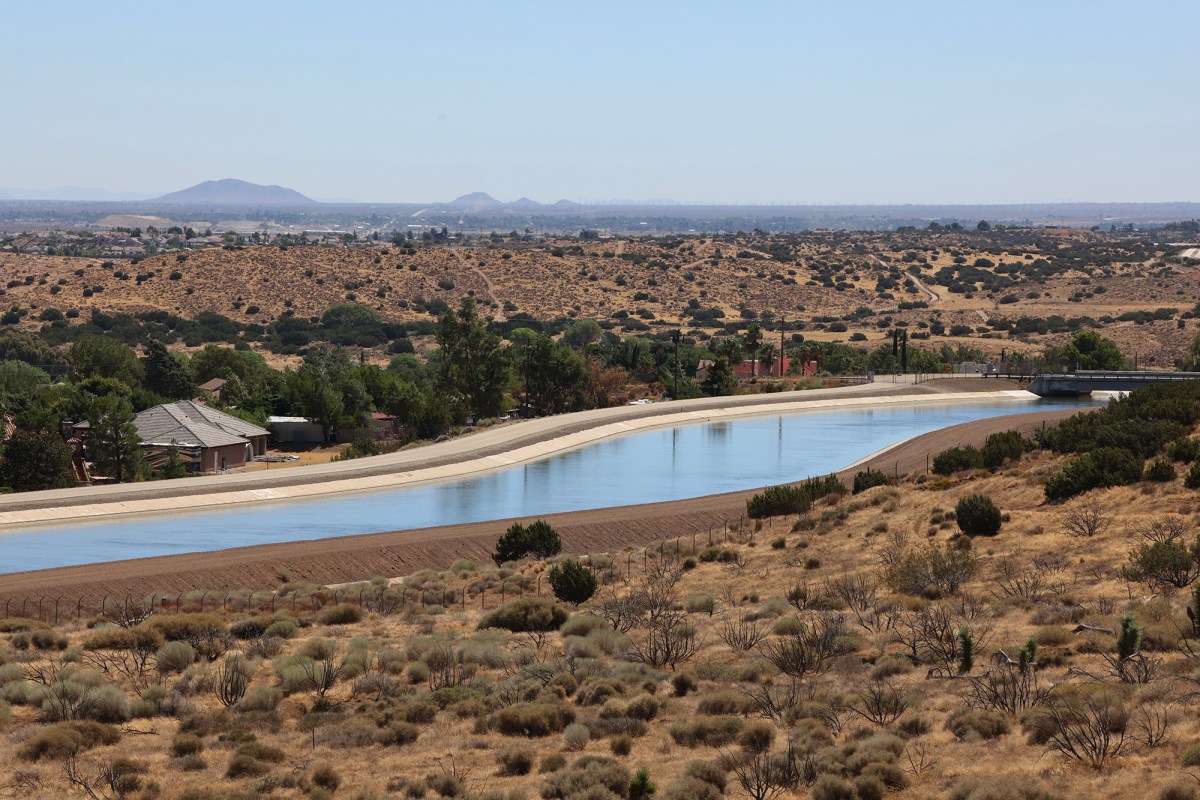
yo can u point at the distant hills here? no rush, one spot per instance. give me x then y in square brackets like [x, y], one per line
[480, 201]
[232, 192]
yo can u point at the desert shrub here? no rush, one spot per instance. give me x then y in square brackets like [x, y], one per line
[705, 730]
[977, 723]
[1159, 471]
[682, 683]
[999, 787]
[643, 707]
[1101, 468]
[757, 737]
[1001, 447]
[341, 614]
[264, 698]
[957, 459]
[282, 629]
[260, 752]
[690, 789]
[1191, 756]
[869, 479]
[249, 627]
[621, 745]
[526, 614]
[245, 767]
[586, 773]
[539, 540]
[584, 624]
[515, 761]
[325, 776]
[175, 657]
[710, 772]
[832, 787]
[977, 515]
[1192, 481]
[67, 739]
[576, 736]
[531, 719]
[572, 582]
[928, 569]
[1177, 791]
[722, 703]
[1164, 564]
[185, 744]
[397, 734]
[197, 629]
[552, 762]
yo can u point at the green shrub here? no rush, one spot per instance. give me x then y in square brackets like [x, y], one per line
[1099, 469]
[1159, 471]
[283, 629]
[957, 459]
[572, 582]
[1001, 447]
[175, 657]
[977, 515]
[1185, 450]
[1164, 564]
[526, 614]
[245, 767]
[777, 501]
[1192, 481]
[538, 540]
[1191, 756]
[929, 570]
[870, 479]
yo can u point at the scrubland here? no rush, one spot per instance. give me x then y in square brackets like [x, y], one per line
[819, 655]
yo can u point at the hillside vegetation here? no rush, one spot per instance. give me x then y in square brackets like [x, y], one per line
[867, 647]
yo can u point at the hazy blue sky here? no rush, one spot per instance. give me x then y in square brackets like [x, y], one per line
[810, 102]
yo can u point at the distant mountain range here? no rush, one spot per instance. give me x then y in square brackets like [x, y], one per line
[476, 201]
[232, 192]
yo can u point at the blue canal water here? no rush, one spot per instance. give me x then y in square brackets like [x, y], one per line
[653, 466]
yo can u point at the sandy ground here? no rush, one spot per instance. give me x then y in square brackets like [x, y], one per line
[349, 558]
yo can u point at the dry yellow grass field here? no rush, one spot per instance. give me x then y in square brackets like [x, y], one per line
[880, 714]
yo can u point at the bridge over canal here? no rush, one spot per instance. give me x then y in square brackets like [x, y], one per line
[1070, 384]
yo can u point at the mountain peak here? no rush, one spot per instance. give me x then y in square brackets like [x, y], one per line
[474, 200]
[231, 191]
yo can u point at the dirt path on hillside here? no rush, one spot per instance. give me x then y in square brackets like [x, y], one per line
[350, 558]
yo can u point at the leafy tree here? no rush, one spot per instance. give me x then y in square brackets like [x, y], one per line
[753, 339]
[1164, 564]
[36, 458]
[977, 515]
[471, 366]
[957, 459]
[554, 377]
[543, 541]
[1090, 350]
[105, 357]
[641, 787]
[113, 439]
[317, 397]
[572, 582]
[582, 333]
[1001, 447]
[1101, 468]
[168, 374]
[1191, 361]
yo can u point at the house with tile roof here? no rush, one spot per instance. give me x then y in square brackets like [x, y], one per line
[206, 438]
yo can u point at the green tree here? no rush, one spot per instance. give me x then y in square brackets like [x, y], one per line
[105, 357]
[582, 333]
[318, 399]
[641, 787]
[1090, 350]
[554, 376]
[1191, 361]
[544, 541]
[113, 439]
[167, 374]
[753, 339]
[472, 367]
[36, 458]
[719, 381]
[572, 582]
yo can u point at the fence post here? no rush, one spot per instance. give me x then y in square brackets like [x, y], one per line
[482, 592]
[6, 602]
[464, 597]
[40, 599]
[56, 608]
[79, 608]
